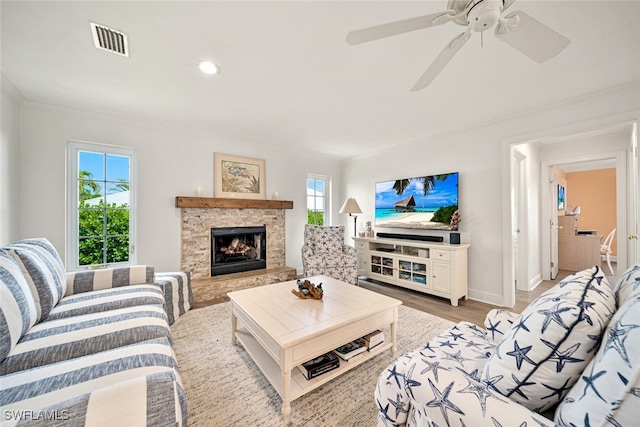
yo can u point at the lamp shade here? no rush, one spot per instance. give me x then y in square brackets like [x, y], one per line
[350, 206]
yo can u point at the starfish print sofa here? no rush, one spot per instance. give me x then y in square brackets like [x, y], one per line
[87, 348]
[571, 358]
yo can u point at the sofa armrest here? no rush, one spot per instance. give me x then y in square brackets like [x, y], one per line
[178, 295]
[498, 322]
[105, 278]
[437, 392]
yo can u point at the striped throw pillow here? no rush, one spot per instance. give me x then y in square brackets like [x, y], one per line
[17, 306]
[43, 270]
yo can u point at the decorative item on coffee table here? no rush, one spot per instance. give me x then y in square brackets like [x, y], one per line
[308, 290]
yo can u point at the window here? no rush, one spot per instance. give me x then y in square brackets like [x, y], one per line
[100, 213]
[318, 196]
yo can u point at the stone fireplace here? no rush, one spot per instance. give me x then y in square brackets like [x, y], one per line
[201, 215]
[237, 249]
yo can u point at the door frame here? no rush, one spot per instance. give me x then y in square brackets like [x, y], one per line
[621, 203]
[629, 215]
[520, 228]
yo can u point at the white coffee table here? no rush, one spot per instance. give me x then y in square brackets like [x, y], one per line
[281, 331]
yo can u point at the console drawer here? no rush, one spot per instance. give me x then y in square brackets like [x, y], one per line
[440, 255]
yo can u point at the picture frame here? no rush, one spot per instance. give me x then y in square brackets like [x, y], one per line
[238, 177]
[561, 197]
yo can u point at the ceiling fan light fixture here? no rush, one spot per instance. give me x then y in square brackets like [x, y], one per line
[209, 67]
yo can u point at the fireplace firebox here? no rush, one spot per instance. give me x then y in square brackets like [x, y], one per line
[236, 249]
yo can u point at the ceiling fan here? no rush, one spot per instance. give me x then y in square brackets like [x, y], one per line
[518, 29]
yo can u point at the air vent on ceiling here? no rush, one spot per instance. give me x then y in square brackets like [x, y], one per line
[109, 39]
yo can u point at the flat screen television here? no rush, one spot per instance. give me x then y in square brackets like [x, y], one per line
[422, 202]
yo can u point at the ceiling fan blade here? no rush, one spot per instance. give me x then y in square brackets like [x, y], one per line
[398, 27]
[530, 36]
[441, 61]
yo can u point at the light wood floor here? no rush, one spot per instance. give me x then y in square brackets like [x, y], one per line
[469, 310]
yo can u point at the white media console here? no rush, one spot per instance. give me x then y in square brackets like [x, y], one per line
[433, 268]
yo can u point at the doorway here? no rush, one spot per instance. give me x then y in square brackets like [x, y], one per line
[567, 146]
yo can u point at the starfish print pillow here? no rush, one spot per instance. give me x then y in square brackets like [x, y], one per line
[608, 391]
[548, 346]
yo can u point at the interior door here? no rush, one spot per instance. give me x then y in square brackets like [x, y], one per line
[553, 223]
[633, 243]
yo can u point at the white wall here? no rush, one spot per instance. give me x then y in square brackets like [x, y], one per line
[170, 163]
[9, 162]
[477, 153]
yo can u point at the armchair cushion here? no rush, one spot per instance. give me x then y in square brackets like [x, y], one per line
[546, 349]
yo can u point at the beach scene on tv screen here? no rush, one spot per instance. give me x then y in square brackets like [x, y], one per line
[426, 202]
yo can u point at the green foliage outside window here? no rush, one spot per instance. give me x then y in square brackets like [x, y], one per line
[315, 217]
[94, 223]
[103, 230]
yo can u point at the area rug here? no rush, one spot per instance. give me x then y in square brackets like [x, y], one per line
[225, 388]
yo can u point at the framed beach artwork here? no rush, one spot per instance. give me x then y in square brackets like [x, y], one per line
[238, 177]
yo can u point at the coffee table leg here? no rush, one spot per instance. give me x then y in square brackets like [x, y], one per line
[234, 327]
[394, 331]
[286, 391]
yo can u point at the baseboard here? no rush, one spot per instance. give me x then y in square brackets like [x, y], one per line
[486, 298]
[533, 283]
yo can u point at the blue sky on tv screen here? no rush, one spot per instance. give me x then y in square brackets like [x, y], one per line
[444, 193]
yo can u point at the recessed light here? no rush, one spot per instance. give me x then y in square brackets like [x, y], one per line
[209, 67]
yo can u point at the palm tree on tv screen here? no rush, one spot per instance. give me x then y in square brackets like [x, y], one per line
[428, 182]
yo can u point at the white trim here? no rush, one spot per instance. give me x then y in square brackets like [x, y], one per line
[73, 148]
[9, 88]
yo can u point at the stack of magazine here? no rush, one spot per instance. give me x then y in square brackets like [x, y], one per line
[373, 339]
[360, 345]
[330, 361]
[318, 366]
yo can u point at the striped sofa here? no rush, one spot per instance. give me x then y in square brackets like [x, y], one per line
[87, 348]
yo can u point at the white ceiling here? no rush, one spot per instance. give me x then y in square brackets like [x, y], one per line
[289, 79]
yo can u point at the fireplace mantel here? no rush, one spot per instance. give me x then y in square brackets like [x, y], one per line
[216, 203]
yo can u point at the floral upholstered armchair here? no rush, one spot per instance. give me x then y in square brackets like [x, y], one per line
[324, 253]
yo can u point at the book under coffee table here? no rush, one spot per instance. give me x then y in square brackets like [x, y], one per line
[281, 331]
